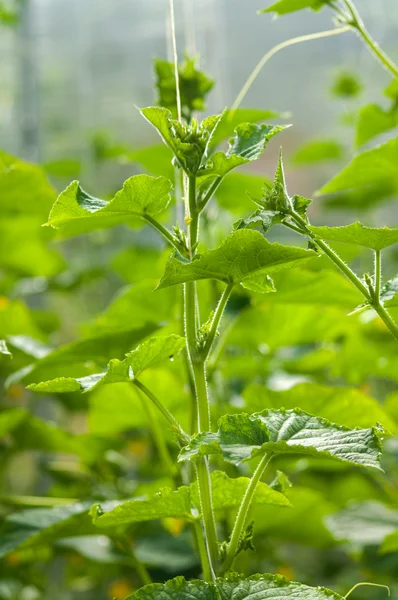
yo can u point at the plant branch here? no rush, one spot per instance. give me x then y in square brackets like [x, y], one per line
[243, 512]
[291, 42]
[165, 412]
[204, 559]
[211, 191]
[369, 296]
[377, 275]
[166, 234]
[359, 26]
[216, 320]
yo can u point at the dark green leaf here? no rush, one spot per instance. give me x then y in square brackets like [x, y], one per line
[243, 436]
[231, 119]
[243, 256]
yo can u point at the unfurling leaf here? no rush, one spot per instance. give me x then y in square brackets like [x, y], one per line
[234, 586]
[194, 86]
[76, 212]
[242, 436]
[243, 257]
[147, 355]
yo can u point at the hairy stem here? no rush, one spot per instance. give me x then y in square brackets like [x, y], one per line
[359, 26]
[201, 546]
[165, 412]
[370, 298]
[377, 274]
[243, 512]
[216, 320]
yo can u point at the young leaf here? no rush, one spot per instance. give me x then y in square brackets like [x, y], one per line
[234, 586]
[76, 212]
[243, 436]
[194, 86]
[243, 256]
[231, 119]
[356, 233]
[370, 171]
[147, 355]
[189, 142]
[166, 503]
[283, 7]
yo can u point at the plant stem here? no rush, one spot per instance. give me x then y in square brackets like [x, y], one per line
[257, 69]
[126, 545]
[216, 320]
[359, 25]
[243, 511]
[165, 412]
[377, 274]
[370, 298]
[202, 401]
[168, 236]
[210, 192]
[204, 559]
[158, 436]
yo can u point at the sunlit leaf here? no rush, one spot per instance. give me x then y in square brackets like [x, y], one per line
[356, 233]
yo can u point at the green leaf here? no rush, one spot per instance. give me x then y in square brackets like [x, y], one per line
[189, 142]
[363, 524]
[165, 503]
[346, 406]
[356, 233]
[283, 7]
[373, 171]
[228, 493]
[232, 118]
[315, 151]
[76, 212]
[194, 86]
[346, 85]
[390, 543]
[234, 586]
[10, 419]
[243, 256]
[242, 436]
[24, 188]
[147, 355]
[374, 120]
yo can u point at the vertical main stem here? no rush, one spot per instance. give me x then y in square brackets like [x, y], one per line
[377, 274]
[202, 402]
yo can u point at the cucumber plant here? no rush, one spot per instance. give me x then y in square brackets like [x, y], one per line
[213, 453]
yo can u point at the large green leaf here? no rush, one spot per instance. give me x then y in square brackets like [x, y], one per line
[234, 587]
[227, 493]
[147, 355]
[363, 524]
[342, 405]
[242, 436]
[283, 7]
[76, 212]
[356, 233]
[390, 543]
[373, 171]
[243, 257]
